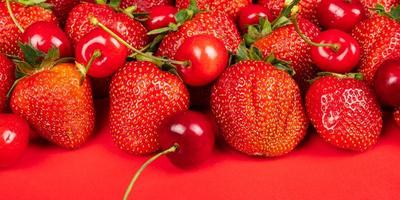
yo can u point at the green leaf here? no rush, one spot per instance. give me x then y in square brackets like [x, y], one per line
[50, 58]
[156, 41]
[159, 31]
[182, 16]
[31, 55]
[255, 53]
[31, 2]
[280, 22]
[242, 53]
[266, 27]
[115, 3]
[395, 12]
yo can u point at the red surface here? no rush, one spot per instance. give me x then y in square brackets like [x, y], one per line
[315, 170]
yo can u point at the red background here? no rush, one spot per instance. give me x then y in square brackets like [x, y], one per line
[315, 170]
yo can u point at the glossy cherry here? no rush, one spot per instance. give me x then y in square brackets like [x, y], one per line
[387, 83]
[14, 137]
[251, 14]
[112, 53]
[341, 58]
[160, 16]
[207, 58]
[45, 35]
[340, 14]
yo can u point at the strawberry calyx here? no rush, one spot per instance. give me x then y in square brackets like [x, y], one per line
[394, 12]
[40, 3]
[253, 53]
[357, 76]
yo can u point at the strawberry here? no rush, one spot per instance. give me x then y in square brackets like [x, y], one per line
[141, 97]
[368, 4]
[396, 116]
[287, 45]
[7, 78]
[144, 5]
[78, 23]
[258, 109]
[228, 7]
[212, 23]
[25, 15]
[379, 38]
[61, 8]
[308, 8]
[344, 112]
[56, 101]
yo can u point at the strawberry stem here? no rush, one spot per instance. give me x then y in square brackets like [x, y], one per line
[13, 17]
[172, 149]
[96, 22]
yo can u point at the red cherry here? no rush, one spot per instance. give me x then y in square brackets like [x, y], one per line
[113, 54]
[251, 14]
[160, 16]
[14, 137]
[340, 14]
[207, 58]
[340, 60]
[387, 83]
[45, 35]
[193, 133]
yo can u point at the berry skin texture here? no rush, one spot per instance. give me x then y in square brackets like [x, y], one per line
[227, 7]
[387, 83]
[141, 97]
[259, 109]
[379, 38]
[7, 78]
[287, 45]
[61, 8]
[9, 33]
[14, 138]
[344, 112]
[145, 5]
[56, 106]
[210, 23]
[372, 3]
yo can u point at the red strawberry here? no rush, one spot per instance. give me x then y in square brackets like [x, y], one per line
[287, 45]
[56, 105]
[144, 5]
[25, 15]
[141, 97]
[307, 8]
[396, 116]
[387, 4]
[215, 24]
[379, 38]
[78, 23]
[61, 8]
[344, 112]
[259, 109]
[7, 78]
[228, 7]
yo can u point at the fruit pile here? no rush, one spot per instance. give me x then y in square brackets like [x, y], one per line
[180, 74]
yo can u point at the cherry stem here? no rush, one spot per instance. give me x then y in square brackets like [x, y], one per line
[172, 149]
[334, 47]
[13, 17]
[96, 22]
[84, 70]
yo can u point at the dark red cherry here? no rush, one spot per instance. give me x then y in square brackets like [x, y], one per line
[251, 14]
[194, 135]
[45, 35]
[341, 58]
[160, 16]
[340, 14]
[112, 53]
[14, 137]
[207, 58]
[387, 83]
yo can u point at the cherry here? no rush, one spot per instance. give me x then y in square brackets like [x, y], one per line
[14, 137]
[207, 58]
[340, 14]
[251, 14]
[45, 35]
[340, 56]
[160, 16]
[187, 138]
[102, 52]
[387, 83]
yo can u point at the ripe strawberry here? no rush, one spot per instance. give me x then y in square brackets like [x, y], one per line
[307, 8]
[287, 45]
[379, 38]
[344, 112]
[55, 104]
[368, 4]
[7, 78]
[141, 97]
[228, 7]
[25, 15]
[215, 24]
[61, 8]
[78, 23]
[259, 109]
[144, 5]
